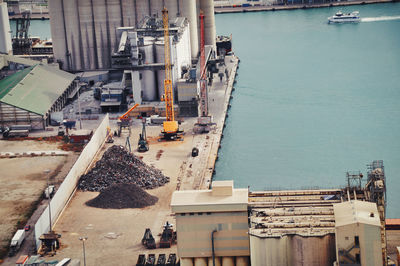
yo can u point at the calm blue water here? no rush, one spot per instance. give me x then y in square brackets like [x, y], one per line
[39, 28]
[313, 100]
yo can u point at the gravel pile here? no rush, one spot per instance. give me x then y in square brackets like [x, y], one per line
[121, 196]
[118, 166]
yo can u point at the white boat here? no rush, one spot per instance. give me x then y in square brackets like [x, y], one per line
[340, 17]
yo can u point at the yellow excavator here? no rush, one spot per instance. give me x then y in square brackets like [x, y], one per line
[170, 126]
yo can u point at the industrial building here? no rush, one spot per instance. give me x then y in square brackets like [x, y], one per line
[29, 96]
[212, 225]
[85, 32]
[358, 233]
[141, 56]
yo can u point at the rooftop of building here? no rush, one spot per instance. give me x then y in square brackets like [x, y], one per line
[35, 88]
[292, 212]
[221, 198]
[356, 211]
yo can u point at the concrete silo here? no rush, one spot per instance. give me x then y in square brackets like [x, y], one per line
[160, 73]
[5, 36]
[189, 11]
[207, 6]
[149, 87]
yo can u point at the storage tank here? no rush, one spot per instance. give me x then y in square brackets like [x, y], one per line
[142, 9]
[5, 36]
[114, 21]
[293, 250]
[200, 262]
[88, 36]
[73, 34]
[207, 6]
[128, 12]
[101, 33]
[229, 261]
[189, 11]
[186, 262]
[242, 261]
[160, 73]
[149, 86]
[57, 31]
[217, 261]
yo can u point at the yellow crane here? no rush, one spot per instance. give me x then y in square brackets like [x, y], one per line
[170, 126]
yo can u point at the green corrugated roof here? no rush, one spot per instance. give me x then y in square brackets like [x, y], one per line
[10, 82]
[36, 90]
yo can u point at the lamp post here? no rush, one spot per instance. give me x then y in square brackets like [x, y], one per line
[83, 239]
[47, 171]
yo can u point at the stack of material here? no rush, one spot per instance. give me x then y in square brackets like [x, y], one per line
[122, 196]
[118, 166]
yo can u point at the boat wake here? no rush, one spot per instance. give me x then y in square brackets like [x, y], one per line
[383, 18]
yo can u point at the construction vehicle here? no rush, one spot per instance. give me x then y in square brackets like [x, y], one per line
[151, 259]
[141, 260]
[148, 240]
[125, 120]
[143, 145]
[168, 236]
[170, 126]
[171, 259]
[204, 121]
[161, 260]
[109, 138]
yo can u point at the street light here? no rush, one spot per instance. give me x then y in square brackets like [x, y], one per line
[83, 239]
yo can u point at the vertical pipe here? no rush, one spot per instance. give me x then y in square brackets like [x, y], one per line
[96, 60]
[212, 246]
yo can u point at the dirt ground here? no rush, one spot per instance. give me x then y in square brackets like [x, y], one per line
[22, 182]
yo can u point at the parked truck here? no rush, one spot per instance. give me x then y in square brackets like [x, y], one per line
[16, 242]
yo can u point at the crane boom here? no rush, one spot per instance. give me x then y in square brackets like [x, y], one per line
[169, 101]
[170, 126]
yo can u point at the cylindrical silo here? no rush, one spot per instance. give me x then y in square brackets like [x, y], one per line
[186, 262]
[160, 73]
[142, 9]
[57, 31]
[114, 21]
[149, 86]
[128, 9]
[200, 262]
[217, 261]
[172, 6]
[189, 11]
[207, 6]
[242, 261]
[73, 33]
[100, 26]
[5, 36]
[228, 261]
[88, 36]
[156, 6]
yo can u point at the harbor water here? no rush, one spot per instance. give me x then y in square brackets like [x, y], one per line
[313, 100]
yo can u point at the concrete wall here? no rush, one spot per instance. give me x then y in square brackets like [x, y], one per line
[369, 249]
[194, 234]
[68, 186]
[293, 250]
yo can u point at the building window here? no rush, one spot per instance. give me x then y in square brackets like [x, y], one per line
[183, 214]
[356, 241]
[200, 213]
[191, 214]
[208, 213]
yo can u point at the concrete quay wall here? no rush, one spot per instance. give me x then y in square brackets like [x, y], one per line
[240, 9]
[215, 145]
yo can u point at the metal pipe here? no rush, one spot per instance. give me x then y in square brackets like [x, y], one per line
[212, 246]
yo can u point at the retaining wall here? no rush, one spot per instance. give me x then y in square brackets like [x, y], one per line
[68, 186]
